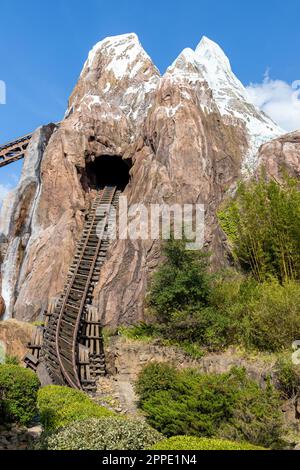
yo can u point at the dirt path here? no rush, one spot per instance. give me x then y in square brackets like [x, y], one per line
[117, 394]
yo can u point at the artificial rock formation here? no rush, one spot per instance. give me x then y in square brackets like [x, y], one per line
[14, 337]
[282, 154]
[187, 135]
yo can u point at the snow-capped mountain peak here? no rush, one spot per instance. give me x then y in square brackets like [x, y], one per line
[210, 52]
[209, 63]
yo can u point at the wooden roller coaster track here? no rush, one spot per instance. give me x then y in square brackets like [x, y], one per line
[72, 348]
[13, 151]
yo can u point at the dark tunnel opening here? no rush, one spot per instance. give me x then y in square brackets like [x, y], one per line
[108, 171]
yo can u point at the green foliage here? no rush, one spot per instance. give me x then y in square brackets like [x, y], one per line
[263, 316]
[288, 376]
[18, 394]
[256, 417]
[263, 226]
[155, 378]
[60, 406]
[260, 310]
[193, 350]
[201, 443]
[103, 434]
[142, 331]
[197, 329]
[12, 360]
[181, 282]
[179, 297]
[240, 310]
[270, 318]
[209, 405]
[38, 323]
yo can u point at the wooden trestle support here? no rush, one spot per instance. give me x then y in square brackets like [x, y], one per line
[13, 151]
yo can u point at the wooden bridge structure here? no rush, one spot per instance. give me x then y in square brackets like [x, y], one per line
[13, 151]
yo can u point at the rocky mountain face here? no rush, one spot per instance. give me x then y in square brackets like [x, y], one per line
[187, 136]
[281, 154]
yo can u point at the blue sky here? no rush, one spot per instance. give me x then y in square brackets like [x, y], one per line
[45, 43]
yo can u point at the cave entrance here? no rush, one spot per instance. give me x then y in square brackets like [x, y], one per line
[108, 171]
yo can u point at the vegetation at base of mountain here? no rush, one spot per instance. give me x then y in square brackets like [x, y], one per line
[18, 394]
[262, 223]
[262, 316]
[288, 377]
[142, 332]
[102, 434]
[201, 443]
[38, 323]
[60, 406]
[228, 406]
[182, 282]
[213, 312]
[12, 360]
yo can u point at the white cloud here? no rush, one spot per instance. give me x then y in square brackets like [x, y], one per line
[278, 99]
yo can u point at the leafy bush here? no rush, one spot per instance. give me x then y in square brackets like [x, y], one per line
[201, 443]
[18, 393]
[103, 434]
[263, 226]
[155, 378]
[180, 299]
[60, 406]
[141, 331]
[181, 282]
[270, 320]
[256, 417]
[263, 316]
[12, 360]
[288, 376]
[209, 405]
[196, 310]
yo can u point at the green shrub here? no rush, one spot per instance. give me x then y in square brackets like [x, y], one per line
[209, 405]
[182, 281]
[18, 393]
[141, 331]
[273, 319]
[288, 376]
[201, 443]
[60, 406]
[263, 316]
[194, 329]
[103, 434]
[154, 378]
[198, 311]
[12, 360]
[269, 319]
[256, 417]
[263, 226]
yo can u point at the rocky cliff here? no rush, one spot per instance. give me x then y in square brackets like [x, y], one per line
[187, 136]
[282, 154]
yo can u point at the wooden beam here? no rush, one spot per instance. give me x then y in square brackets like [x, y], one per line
[13, 151]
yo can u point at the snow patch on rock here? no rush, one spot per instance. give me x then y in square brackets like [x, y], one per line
[210, 64]
[125, 53]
